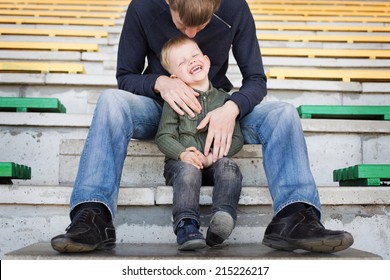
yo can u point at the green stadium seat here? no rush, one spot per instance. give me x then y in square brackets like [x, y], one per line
[363, 175]
[19, 104]
[11, 170]
[344, 112]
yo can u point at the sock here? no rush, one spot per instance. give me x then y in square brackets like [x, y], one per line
[291, 209]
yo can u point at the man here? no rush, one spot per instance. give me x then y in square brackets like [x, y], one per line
[134, 110]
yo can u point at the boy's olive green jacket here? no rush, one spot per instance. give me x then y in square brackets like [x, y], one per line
[176, 133]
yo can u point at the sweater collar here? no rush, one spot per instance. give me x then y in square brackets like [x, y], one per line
[205, 92]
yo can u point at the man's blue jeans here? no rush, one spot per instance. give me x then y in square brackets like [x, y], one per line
[186, 180]
[121, 116]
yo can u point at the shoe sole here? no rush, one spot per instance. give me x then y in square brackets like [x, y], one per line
[193, 245]
[329, 245]
[221, 226]
[66, 245]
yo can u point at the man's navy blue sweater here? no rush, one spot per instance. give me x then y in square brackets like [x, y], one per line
[148, 25]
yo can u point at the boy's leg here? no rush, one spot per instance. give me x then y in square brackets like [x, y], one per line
[226, 177]
[118, 117]
[186, 181]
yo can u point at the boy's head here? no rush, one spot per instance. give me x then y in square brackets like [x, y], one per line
[191, 16]
[183, 59]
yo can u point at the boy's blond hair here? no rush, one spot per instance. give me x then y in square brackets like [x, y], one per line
[194, 13]
[172, 43]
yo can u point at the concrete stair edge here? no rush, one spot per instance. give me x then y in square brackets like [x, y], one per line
[162, 195]
[161, 251]
[84, 120]
[110, 81]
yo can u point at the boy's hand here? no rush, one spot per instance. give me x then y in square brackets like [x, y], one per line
[195, 157]
[191, 156]
[178, 95]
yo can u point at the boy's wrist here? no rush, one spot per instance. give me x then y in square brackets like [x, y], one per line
[182, 154]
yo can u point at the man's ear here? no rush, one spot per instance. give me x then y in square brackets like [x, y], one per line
[173, 76]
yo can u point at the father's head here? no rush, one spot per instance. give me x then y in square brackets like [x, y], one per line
[191, 16]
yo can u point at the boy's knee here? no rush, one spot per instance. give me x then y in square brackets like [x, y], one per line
[229, 168]
[189, 172]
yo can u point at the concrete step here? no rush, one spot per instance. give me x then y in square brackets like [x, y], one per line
[32, 214]
[57, 55]
[52, 143]
[79, 93]
[95, 63]
[149, 251]
[329, 45]
[143, 195]
[88, 67]
[37, 209]
[267, 60]
[116, 29]
[57, 39]
[326, 62]
[162, 195]
[329, 62]
[102, 62]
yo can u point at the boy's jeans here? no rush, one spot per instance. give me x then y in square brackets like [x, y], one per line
[120, 116]
[186, 180]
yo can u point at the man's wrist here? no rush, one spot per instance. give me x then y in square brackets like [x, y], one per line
[157, 84]
[233, 107]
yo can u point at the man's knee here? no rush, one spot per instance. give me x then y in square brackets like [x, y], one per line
[287, 112]
[111, 97]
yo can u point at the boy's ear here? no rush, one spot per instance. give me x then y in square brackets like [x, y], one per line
[173, 76]
[207, 60]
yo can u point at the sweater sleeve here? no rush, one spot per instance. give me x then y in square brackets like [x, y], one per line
[132, 51]
[246, 51]
[167, 137]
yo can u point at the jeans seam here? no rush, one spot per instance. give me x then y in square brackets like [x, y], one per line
[295, 201]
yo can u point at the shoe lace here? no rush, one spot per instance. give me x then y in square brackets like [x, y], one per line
[315, 222]
[80, 220]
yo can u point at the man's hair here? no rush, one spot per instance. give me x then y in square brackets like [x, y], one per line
[172, 43]
[194, 12]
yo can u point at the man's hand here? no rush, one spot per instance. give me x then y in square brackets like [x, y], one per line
[178, 95]
[221, 123]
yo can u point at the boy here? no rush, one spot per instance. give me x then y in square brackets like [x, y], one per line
[186, 167]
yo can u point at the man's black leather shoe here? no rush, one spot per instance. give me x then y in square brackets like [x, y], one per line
[303, 230]
[87, 232]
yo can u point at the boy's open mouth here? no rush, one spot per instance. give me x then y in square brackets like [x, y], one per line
[196, 69]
